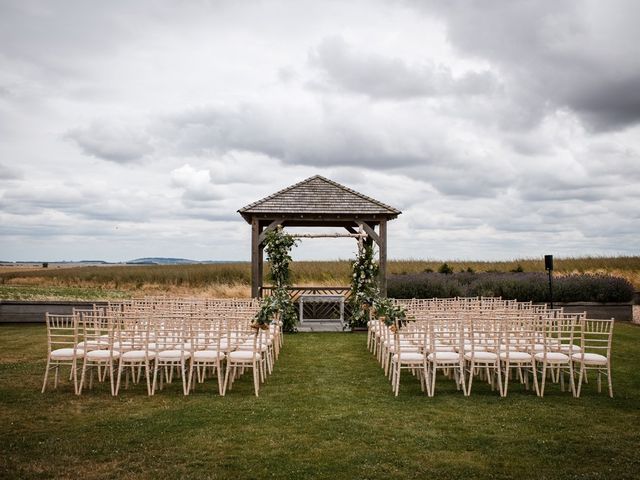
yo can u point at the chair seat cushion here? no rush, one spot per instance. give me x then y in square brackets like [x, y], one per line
[172, 355]
[553, 357]
[92, 344]
[590, 358]
[208, 355]
[102, 355]
[66, 353]
[413, 357]
[137, 355]
[244, 355]
[481, 356]
[515, 356]
[444, 357]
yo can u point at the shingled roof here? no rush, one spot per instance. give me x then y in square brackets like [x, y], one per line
[318, 195]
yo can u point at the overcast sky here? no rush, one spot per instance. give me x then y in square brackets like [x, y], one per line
[501, 129]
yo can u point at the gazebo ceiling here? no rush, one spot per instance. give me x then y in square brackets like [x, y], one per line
[317, 197]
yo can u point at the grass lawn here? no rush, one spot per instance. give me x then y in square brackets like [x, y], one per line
[326, 412]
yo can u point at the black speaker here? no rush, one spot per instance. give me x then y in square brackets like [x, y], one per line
[548, 262]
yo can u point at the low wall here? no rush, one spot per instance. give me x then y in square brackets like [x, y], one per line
[619, 311]
[33, 312]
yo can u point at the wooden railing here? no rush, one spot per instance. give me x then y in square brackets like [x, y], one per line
[295, 292]
[317, 310]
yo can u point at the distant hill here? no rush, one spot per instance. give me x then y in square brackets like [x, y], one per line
[163, 261]
[137, 261]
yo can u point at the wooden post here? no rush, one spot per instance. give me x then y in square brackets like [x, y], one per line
[256, 258]
[260, 268]
[382, 247]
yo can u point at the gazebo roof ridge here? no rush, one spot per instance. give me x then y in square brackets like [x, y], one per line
[324, 200]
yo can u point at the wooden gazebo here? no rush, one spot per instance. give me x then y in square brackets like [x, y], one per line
[317, 202]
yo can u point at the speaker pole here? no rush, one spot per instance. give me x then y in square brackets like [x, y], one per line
[548, 265]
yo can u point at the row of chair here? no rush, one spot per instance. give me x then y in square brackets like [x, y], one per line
[496, 342]
[161, 339]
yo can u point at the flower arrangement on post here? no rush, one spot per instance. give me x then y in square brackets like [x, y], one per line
[387, 311]
[278, 245]
[364, 286]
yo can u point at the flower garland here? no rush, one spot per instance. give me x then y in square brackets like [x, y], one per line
[365, 292]
[364, 286]
[278, 246]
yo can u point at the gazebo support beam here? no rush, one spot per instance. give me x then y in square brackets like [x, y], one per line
[328, 235]
[272, 226]
[256, 259]
[382, 246]
[370, 231]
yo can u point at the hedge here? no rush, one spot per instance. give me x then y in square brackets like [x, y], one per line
[521, 286]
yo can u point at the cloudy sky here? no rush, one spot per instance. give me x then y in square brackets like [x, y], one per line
[501, 129]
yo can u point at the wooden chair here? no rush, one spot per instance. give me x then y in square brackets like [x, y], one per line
[171, 335]
[408, 354]
[207, 334]
[99, 333]
[446, 352]
[480, 352]
[595, 354]
[136, 351]
[239, 360]
[556, 332]
[62, 347]
[517, 351]
[264, 346]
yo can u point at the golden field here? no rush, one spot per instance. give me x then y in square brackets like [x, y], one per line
[233, 279]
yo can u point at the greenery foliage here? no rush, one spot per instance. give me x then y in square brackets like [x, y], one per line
[278, 245]
[521, 286]
[385, 309]
[364, 286]
[445, 268]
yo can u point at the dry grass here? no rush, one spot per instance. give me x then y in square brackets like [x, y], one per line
[233, 279]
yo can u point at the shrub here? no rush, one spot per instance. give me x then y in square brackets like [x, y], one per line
[596, 288]
[521, 286]
[445, 268]
[423, 285]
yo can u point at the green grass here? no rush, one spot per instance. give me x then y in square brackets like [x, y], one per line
[326, 412]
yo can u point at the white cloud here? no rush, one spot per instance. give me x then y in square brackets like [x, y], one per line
[391, 78]
[117, 143]
[501, 129]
